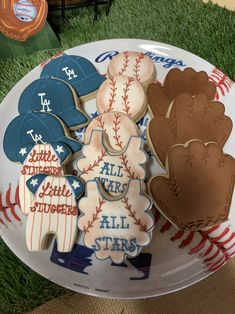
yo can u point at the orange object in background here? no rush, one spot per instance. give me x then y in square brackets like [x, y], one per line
[21, 19]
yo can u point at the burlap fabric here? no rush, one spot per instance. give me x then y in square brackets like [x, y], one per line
[214, 295]
[228, 4]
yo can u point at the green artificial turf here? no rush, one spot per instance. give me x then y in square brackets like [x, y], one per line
[206, 30]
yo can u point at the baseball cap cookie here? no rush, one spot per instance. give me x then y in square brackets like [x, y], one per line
[54, 96]
[76, 71]
[122, 93]
[134, 64]
[36, 128]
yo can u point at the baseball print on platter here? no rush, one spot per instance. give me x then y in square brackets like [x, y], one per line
[89, 221]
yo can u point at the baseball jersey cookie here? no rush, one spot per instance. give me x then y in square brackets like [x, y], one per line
[76, 71]
[116, 228]
[36, 128]
[189, 118]
[122, 93]
[21, 19]
[53, 211]
[177, 82]
[40, 158]
[118, 129]
[114, 171]
[134, 64]
[54, 96]
[197, 191]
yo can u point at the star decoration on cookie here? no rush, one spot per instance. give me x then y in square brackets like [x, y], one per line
[75, 185]
[23, 151]
[59, 149]
[34, 182]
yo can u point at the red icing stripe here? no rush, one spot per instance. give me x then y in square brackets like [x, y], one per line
[208, 251]
[177, 235]
[187, 241]
[209, 259]
[212, 229]
[199, 246]
[166, 226]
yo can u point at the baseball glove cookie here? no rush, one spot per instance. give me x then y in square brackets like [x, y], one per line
[177, 82]
[189, 118]
[134, 64]
[197, 192]
[20, 19]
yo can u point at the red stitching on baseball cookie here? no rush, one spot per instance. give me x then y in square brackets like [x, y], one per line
[112, 94]
[132, 214]
[125, 63]
[127, 168]
[116, 128]
[100, 123]
[125, 97]
[221, 81]
[98, 210]
[95, 163]
[136, 69]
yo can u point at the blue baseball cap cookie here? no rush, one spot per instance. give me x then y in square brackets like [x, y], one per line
[35, 128]
[78, 72]
[53, 96]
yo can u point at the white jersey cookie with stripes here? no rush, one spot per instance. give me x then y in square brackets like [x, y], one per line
[53, 211]
[40, 158]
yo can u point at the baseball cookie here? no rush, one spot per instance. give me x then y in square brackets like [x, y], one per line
[197, 191]
[114, 171]
[76, 71]
[53, 211]
[21, 19]
[118, 129]
[119, 227]
[177, 82]
[36, 128]
[40, 158]
[189, 118]
[134, 64]
[54, 96]
[122, 93]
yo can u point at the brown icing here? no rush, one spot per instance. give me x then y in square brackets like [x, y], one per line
[189, 118]
[177, 82]
[198, 191]
[16, 29]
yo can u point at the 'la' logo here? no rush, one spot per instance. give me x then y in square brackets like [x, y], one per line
[37, 138]
[44, 102]
[70, 73]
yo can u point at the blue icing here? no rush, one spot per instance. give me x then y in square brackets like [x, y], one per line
[52, 96]
[35, 181]
[35, 128]
[75, 70]
[76, 184]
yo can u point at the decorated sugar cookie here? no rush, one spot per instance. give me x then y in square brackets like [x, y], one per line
[36, 128]
[178, 82]
[122, 93]
[53, 211]
[53, 96]
[21, 19]
[76, 71]
[198, 189]
[134, 64]
[119, 227]
[118, 129]
[112, 170]
[40, 158]
[189, 118]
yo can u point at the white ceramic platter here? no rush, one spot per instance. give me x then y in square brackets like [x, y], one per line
[173, 261]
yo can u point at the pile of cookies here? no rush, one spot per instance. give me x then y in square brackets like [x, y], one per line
[187, 133]
[115, 212]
